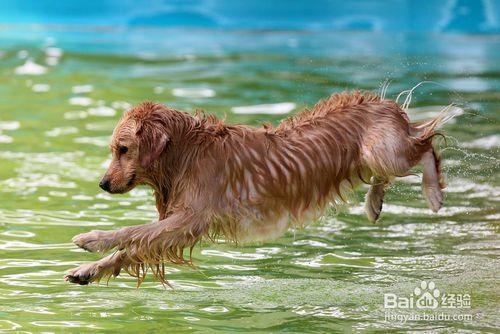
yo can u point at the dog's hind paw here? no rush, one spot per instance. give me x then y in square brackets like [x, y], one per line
[95, 241]
[84, 274]
[374, 201]
[434, 197]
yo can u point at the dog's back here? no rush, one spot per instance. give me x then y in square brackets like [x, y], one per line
[317, 156]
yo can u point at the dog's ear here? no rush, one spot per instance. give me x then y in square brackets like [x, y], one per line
[152, 142]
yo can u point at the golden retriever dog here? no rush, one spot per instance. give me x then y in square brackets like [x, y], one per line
[214, 180]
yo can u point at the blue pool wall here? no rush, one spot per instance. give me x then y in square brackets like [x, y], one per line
[464, 16]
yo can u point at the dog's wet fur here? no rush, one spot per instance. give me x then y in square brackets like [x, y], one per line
[241, 183]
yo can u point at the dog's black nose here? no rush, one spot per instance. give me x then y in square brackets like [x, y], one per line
[104, 184]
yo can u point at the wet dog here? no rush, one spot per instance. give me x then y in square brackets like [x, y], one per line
[242, 183]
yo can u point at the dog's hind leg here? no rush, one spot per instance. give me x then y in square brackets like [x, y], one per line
[432, 184]
[375, 198]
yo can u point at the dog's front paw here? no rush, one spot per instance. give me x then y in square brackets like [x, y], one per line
[95, 241]
[84, 274]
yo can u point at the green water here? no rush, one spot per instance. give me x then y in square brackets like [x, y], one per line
[328, 277]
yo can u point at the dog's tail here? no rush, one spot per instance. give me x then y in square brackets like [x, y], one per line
[424, 132]
[427, 128]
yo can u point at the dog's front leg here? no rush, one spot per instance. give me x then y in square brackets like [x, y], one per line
[97, 241]
[150, 243]
[108, 266]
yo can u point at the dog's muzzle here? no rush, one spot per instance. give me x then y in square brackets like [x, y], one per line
[105, 184]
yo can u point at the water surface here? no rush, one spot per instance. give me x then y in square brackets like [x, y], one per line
[62, 91]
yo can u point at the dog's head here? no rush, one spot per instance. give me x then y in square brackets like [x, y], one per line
[138, 141]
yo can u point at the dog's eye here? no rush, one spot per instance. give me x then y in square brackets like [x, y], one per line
[123, 149]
